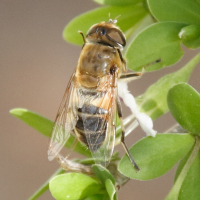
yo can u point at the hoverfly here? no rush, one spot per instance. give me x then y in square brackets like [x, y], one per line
[90, 104]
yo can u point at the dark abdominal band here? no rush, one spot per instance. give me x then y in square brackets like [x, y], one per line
[91, 126]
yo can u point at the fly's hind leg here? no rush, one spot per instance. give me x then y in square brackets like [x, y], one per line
[119, 110]
[72, 166]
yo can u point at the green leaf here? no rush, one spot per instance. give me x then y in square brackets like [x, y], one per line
[110, 188]
[154, 101]
[190, 36]
[73, 186]
[187, 11]
[193, 44]
[184, 104]
[156, 156]
[191, 184]
[190, 32]
[44, 126]
[118, 2]
[130, 15]
[158, 41]
[102, 173]
[136, 29]
[98, 197]
[186, 185]
[181, 165]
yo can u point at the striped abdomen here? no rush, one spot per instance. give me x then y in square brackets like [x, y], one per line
[91, 126]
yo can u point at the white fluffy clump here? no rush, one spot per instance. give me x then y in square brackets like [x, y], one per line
[144, 120]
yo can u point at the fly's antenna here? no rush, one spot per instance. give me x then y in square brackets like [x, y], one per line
[113, 21]
[117, 17]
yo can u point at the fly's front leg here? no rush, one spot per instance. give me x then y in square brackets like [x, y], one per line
[84, 40]
[122, 60]
[133, 75]
[119, 110]
[130, 76]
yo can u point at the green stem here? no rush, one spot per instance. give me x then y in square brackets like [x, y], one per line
[193, 62]
[173, 195]
[45, 186]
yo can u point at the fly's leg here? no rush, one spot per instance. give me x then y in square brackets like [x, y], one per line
[130, 76]
[73, 166]
[84, 40]
[122, 60]
[73, 146]
[119, 110]
[133, 75]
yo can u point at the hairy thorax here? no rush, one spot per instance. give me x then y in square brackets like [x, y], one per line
[95, 63]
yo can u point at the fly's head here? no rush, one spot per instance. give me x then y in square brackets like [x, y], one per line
[106, 33]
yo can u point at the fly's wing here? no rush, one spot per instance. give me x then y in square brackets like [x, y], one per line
[99, 121]
[64, 121]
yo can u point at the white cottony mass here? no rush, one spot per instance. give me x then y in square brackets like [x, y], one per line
[144, 120]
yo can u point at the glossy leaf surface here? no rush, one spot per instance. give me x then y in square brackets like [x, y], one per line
[190, 36]
[156, 156]
[110, 189]
[130, 15]
[176, 10]
[44, 126]
[187, 175]
[184, 105]
[73, 186]
[98, 197]
[158, 41]
[102, 173]
[154, 101]
[191, 184]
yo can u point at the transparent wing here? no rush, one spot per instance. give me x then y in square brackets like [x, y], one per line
[64, 121]
[99, 121]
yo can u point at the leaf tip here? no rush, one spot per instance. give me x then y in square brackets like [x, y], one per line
[17, 111]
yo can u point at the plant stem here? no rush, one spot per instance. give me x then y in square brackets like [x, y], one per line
[177, 128]
[173, 195]
[45, 186]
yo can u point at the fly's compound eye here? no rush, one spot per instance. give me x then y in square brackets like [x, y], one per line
[92, 31]
[116, 36]
[97, 30]
[103, 31]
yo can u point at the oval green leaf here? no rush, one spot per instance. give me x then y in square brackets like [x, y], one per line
[102, 173]
[187, 11]
[190, 32]
[154, 101]
[190, 36]
[73, 186]
[98, 197]
[184, 178]
[130, 15]
[190, 186]
[184, 104]
[44, 126]
[117, 2]
[156, 156]
[158, 41]
[181, 165]
[110, 189]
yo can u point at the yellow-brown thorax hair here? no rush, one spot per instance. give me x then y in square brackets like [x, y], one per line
[100, 53]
